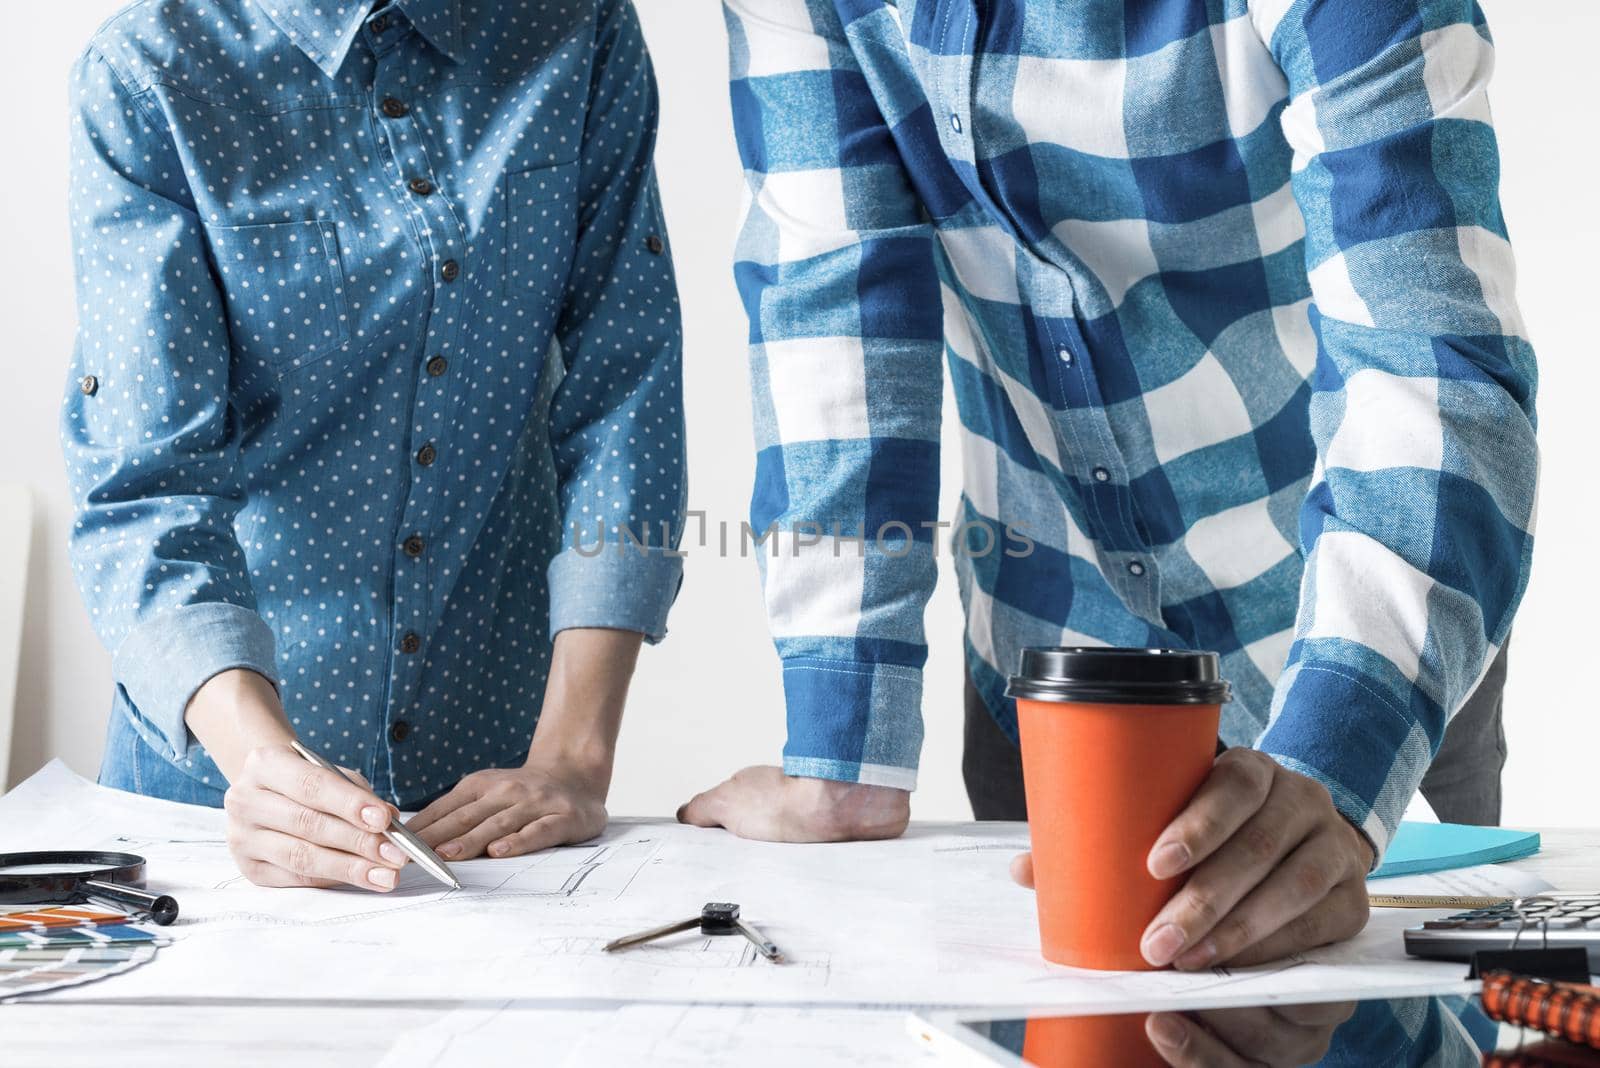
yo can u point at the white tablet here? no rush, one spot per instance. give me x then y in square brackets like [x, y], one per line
[1449, 1031]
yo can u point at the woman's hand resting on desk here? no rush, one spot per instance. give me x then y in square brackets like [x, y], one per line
[290, 823]
[508, 812]
[558, 796]
[1273, 869]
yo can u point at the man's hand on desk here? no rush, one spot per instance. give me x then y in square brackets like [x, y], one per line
[764, 803]
[1273, 869]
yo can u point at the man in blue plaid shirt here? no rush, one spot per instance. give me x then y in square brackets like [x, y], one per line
[1227, 299]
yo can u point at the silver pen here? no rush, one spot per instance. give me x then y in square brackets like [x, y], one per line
[397, 832]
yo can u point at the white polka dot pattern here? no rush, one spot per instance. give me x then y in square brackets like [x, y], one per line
[384, 330]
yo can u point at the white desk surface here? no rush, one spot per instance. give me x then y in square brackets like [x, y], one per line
[307, 1035]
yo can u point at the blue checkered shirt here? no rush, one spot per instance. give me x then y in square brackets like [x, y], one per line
[1227, 300]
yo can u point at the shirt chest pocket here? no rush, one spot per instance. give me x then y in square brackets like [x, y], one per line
[283, 286]
[541, 228]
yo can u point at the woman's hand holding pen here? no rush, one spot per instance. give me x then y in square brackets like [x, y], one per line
[290, 823]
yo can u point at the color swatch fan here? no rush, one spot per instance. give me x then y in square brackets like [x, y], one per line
[47, 948]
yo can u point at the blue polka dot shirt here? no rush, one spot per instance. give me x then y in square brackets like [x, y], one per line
[377, 383]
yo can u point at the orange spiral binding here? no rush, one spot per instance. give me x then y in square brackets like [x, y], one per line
[1566, 1010]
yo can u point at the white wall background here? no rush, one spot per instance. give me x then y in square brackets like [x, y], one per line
[708, 700]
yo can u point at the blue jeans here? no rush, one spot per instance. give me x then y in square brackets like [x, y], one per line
[133, 764]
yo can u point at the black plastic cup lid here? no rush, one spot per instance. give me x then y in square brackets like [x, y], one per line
[1119, 676]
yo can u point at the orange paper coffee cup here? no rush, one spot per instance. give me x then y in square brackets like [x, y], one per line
[1114, 744]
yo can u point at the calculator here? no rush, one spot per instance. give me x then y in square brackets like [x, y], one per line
[1542, 921]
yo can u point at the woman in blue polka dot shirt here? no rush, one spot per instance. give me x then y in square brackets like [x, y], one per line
[374, 424]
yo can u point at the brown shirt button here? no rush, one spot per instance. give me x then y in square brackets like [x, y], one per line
[379, 24]
[420, 186]
[450, 271]
[410, 643]
[399, 730]
[427, 454]
[395, 108]
[90, 385]
[655, 244]
[414, 546]
[437, 366]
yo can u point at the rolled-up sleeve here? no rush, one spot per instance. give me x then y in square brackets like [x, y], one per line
[1417, 527]
[150, 442]
[836, 267]
[617, 424]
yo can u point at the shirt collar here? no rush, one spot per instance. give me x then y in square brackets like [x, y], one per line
[325, 33]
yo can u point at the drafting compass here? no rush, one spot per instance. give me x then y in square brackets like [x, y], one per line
[717, 918]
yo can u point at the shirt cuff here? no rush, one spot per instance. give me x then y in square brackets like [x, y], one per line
[616, 586]
[853, 721]
[165, 659]
[1345, 732]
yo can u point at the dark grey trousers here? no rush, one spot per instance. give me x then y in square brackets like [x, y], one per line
[1462, 784]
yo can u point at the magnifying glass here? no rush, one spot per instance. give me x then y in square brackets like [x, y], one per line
[68, 878]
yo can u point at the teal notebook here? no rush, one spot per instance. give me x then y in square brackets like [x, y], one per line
[1423, 847]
